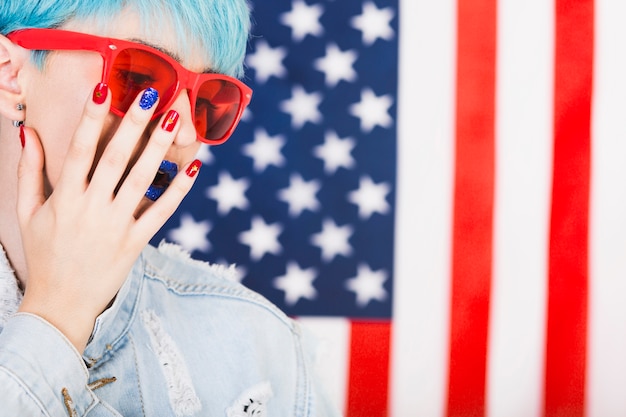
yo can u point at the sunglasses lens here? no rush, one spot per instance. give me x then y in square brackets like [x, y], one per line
[135, 70]
[217, 102]
[217, 106]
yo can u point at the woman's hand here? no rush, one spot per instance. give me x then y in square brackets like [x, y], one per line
[81, 242]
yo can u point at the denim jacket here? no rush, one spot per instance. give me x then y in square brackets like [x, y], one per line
[180, 339]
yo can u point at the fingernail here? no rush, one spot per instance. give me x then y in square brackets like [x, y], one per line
[170, 121]
[22, 136]
[100, 93]
[193, 169]
[148, 98]
[153, 192]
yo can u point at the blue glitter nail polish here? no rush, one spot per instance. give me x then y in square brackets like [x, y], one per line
[169, 168]
[148, 98]
[153, 192]
[167, 172]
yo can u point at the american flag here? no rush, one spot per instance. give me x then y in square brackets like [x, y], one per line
[434, 188]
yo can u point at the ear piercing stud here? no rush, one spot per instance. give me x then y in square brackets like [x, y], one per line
[18, 123]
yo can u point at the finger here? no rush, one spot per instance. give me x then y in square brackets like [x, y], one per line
[158, 213]
[114, 160]
[84, 143]
[30, 195]
[144, 170]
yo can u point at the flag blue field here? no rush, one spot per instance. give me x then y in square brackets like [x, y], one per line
[301, 198]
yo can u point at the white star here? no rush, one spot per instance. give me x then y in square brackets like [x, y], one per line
[374, 23]
[302, 107]
[300, 195]
[337, 65]
[370, 198]
[335, 152]
[262, 238]
[303, 20]
[229, 193]
[333, 240]
[372, 110]
[267, 61]
[297, 283]
[265, 150]
[191, 235]
[204, 154]
[247, 115]
[367, 285]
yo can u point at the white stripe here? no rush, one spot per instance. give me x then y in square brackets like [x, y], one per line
[606, 364]
[424, 205]
[333, 356]
[524, 103]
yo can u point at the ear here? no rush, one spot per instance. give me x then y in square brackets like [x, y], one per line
[12, 58]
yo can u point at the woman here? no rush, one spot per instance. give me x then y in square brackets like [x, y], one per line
[97, 141]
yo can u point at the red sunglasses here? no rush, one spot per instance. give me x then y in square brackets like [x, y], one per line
[217, 101]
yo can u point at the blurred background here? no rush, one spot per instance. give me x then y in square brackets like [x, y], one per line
[434, 189]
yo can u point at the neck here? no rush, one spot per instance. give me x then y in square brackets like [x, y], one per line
[10, 237]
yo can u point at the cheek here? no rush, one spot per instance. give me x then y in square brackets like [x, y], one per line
[55, 101]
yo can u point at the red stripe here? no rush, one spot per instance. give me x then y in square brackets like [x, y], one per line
[368, 391]
[473, 206]
[568, 262]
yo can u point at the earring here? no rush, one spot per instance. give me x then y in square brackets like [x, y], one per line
[18, 123]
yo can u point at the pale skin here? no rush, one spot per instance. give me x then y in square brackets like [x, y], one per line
[71, 239]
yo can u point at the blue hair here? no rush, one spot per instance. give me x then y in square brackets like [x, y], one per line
[219, 27]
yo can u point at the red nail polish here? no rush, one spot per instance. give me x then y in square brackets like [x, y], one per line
[22, 136]
[170, 121]
[193, 169]
[100, 93]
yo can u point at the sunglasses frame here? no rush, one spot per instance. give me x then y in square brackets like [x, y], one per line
[110, 48]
